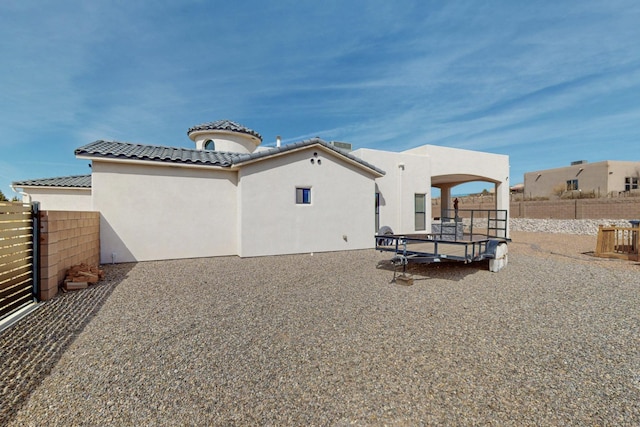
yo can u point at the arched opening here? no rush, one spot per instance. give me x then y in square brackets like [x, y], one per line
[477, 203]
[469, 189]
[210, 145]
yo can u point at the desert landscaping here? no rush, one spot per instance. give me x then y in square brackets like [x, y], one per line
[326, 339]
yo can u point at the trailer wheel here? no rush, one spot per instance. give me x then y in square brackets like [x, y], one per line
[501, 259]
[385, 230]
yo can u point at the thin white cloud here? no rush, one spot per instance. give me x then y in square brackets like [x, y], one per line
[491, 75]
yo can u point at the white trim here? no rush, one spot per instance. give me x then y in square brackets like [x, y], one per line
[53, 187]
[152, 163]
[306, 147]
[193, 135]
[12, 319]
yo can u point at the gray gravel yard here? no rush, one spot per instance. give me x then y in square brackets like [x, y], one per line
[328, 340]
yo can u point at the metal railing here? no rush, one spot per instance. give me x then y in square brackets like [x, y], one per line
[476, 223]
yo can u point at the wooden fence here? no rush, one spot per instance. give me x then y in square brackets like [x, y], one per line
[617, 242]
[18, 256]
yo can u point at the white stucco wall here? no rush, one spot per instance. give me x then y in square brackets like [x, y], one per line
[456, 161]
[59, 199]
[406, 176]
[340, 216]
[154, 212]
[226, 141]
[427, 166]
[455, 166]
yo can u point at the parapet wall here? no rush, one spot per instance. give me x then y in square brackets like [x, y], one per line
[66, 239]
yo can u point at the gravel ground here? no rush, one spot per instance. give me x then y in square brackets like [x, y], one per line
[552, 339]
[32, 346]
[565, 226]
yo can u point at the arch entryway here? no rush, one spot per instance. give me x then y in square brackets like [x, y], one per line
[447, 208]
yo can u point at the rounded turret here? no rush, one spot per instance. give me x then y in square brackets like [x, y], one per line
[224, 135]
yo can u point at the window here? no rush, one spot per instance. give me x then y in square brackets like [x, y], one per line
[572, 184]
[631, 183]
[210, 145]
[303, 196]
[420, 212]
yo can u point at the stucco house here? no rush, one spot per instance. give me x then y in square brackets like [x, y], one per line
[580, 179]
[230, 196]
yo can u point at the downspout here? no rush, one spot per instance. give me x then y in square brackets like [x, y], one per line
[400, 225]
[26, 198]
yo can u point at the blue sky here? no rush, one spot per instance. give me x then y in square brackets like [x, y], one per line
[545, 82]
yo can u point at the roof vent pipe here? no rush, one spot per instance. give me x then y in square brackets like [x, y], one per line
[278, 141]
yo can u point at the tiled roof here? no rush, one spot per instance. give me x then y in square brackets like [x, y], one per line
[124, 150]
[127, 151]
[225, 125]
[76, 181]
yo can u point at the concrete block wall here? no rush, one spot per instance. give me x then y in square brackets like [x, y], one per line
[622, 208]
[66, 239]
[602, 208]
[555, 209]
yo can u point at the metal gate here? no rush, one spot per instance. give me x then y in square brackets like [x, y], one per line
[18, 256]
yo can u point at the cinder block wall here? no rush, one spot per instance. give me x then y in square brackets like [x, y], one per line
[603, 208]
[556, 209]
[66, 239]
[622, 208]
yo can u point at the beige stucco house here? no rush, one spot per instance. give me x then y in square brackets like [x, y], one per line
[230, 196]
[580, 179]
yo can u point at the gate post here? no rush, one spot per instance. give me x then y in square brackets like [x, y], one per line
[35, 215]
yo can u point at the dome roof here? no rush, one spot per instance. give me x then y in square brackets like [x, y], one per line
[227, 125]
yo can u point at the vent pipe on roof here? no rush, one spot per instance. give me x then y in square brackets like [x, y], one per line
[278, 141]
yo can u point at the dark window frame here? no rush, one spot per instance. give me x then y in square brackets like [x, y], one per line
[631, 183]
[420, 211]
[377, 210]
[303, 195]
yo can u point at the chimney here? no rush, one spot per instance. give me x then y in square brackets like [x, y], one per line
[278, 141]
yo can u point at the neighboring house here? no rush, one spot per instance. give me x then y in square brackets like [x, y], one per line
[518, 188]
[600, 179]
[229, 196]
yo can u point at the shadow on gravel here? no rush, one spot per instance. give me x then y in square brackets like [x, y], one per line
[618, 260]
[454, 271]
[31, 347]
